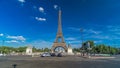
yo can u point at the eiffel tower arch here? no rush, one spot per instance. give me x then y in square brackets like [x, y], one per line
[59, 41]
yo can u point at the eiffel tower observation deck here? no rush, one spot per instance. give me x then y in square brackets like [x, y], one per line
[59, 41]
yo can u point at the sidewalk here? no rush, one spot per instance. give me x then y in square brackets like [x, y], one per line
[99, 57]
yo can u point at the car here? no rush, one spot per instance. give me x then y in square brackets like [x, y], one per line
[1, 54]
[53, 54]
[46, 55]
[59, 55]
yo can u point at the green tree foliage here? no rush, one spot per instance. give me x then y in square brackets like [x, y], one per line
[21, 49]
[46, 50]
[7, 50]
[104, 49]
[85, 45]
[100, 49]
[76, 50]
[91, 43]
[37, 50]
[34, 49]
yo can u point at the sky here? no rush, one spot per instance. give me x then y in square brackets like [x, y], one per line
[35, 22]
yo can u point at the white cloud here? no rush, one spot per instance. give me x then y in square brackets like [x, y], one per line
[74, 29]
[100, 37]
[110, 26]
[21, 38]
[114, 37]
[55, 6]
[103, 37]
[41, 9]
[12, 41]
[118, 33]
[98, 41]
[70, 38]
[76, 45]
[22, 1]
[93, 31]
[85, 30]
[40, 19]
[113, 29]
[75, 42]
[1, 34]
[42, 44]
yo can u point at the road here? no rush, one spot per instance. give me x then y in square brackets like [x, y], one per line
[57, 62]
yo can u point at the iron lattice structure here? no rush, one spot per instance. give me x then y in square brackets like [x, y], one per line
[59, 41]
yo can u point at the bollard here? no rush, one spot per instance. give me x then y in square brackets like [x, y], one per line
[14, 65]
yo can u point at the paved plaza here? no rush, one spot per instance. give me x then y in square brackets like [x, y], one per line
[58, 62]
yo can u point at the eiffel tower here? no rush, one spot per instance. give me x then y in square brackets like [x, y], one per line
[59, 41]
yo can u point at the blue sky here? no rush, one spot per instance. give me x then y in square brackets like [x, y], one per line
[34, 22]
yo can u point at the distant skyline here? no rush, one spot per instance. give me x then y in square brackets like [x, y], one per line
[35, 22]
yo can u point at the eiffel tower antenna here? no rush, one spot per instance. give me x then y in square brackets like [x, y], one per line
[59, 22]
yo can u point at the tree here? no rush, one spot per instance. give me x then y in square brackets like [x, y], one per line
[21, 49]
[91, 43]
[46, 50]
[76, 50]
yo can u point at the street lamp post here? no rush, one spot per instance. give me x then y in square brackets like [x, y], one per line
[3, 41]
[89, 49]
[81, 30]
[83, 49]
[14, 65]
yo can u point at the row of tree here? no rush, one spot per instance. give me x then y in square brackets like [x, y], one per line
[99, 49]
[41, 50]
[7, 50]
[105, 49]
